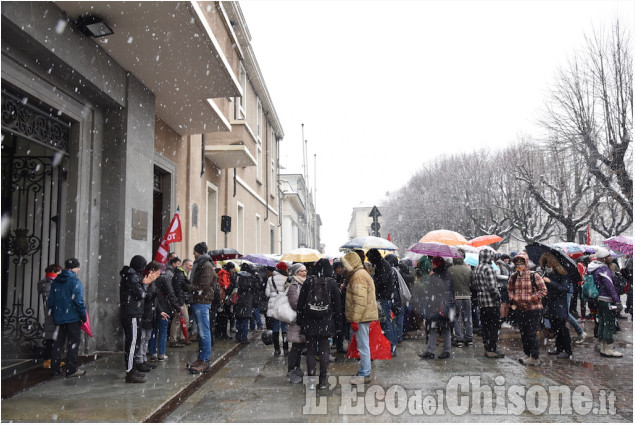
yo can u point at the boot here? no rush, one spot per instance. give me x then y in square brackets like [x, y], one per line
[276, 343]
[285, 343]
[201, 368]
[610, 352]
[133, 377]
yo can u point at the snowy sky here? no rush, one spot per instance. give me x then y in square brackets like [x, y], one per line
[382, 87]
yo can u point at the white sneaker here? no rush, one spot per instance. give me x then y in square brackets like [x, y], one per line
[506, 325]
[580, 338]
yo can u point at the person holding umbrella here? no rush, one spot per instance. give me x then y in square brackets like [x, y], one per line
[608, 301]
[557, 282]
[526, 290]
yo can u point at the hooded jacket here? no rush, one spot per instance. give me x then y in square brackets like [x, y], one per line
[386, 283]
[66, 299]
[204, 281]
[132, 292]
[247, 287]
[460, 275]
[44, 288]
[331, 323]
[603, 277]
[521, 290]
[361, 305]
[484, 281]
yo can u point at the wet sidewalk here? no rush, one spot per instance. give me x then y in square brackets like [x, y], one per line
[102, 395]
[250, 385]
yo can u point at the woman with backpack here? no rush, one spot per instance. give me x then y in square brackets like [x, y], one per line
[319, 316]
[556, 305]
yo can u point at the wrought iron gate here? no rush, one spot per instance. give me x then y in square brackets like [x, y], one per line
[32, 185]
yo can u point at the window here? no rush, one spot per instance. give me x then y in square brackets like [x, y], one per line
[212, 216]
[259, 162]
[258, 234]
[240, 228]
[240, 103]
[259, 122]
[272, 239]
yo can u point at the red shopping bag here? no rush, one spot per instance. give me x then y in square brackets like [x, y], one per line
[379, 344]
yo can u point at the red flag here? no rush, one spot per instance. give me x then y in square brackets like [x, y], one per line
[588, 234]
[172, 235]
[388, 237]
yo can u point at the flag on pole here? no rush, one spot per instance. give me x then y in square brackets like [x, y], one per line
[172, 235]
[588, 234]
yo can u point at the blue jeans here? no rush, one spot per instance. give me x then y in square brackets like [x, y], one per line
[572, 321]
[277, 326]
[256, 319]
[391, 333]
[242, 325]
[201, 316]
[162, 328]
[363, 346]
[463, 317]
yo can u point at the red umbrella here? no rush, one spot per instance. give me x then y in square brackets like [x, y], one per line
[184, 328]
[485, 240]
[86, 326]
[379, 345]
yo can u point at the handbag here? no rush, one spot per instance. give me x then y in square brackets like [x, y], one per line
[280, 309]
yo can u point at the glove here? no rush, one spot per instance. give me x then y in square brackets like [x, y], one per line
[617, 307]
[83, 319]
[355, 326]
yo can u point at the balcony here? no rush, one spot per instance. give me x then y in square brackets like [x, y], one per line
[170, 48]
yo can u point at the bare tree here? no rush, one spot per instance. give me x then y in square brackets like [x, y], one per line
[591, 109]
[559, 183]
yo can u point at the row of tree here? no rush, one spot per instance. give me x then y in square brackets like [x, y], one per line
[578, 174]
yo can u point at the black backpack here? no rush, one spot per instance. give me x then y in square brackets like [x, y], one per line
[318, 303]
[620, 283]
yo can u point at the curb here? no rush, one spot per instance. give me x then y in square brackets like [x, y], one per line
[179, 398]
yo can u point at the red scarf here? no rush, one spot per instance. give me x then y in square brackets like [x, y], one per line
[51, 275]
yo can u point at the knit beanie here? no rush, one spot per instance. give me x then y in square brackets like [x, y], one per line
[293, 269]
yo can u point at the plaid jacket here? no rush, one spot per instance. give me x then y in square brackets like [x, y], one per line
[522, 293]
[484, 281]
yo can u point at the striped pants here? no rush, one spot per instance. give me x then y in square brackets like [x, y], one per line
[132, 332]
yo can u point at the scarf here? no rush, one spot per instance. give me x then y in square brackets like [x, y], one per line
[299, 279]
[51, 275]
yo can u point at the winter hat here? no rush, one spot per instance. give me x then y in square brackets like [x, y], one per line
[229, 266]
[201, 248]
[294, 268]
[599, 253]
[282, 266]
[71, 263]
[138, 263]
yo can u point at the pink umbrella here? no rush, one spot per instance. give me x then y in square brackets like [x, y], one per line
[435, 249]
[86, 326]
[623, 244]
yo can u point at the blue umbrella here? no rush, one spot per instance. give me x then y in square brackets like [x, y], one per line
[472, 260]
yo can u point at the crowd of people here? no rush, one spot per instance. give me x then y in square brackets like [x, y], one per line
[337, 301]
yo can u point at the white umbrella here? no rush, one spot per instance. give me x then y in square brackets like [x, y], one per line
[369, 242]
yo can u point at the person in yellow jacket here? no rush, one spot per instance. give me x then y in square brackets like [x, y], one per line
[361, 310]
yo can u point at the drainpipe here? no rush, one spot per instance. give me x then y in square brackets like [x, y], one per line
[279, 191]
[267, 165]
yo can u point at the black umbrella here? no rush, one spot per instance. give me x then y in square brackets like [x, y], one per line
[224, 254]
[536, 249]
